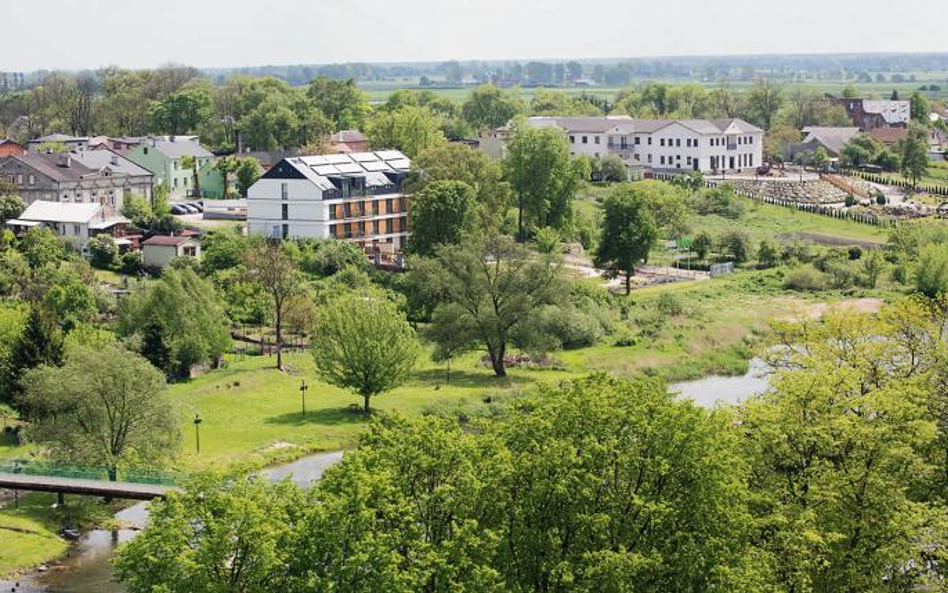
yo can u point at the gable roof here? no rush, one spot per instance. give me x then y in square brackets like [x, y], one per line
[177, 148]
[624, 124]
[43, 211]
[48, 165]
[888, 135]
[892, 111]
[63, 138]
[167, 240]
[321, 169]
[99, 159]
[833, 139]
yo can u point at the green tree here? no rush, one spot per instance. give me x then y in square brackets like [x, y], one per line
[931, 271]
[40, 343]
[627, 235]
[139, 211]
[702, 245]
[543, 177]
[767, 256]
[920, 109]
[490, 107]
[736, 244]
[269, 266]
[248, 171]
[410, 129]
[363, 344]
[103, 252]
[11, 206]
[225, 166]
[104, 406]
[915, 155]
[458, 162]
[440, 214]
[488, 289]
[764, 102]
[189, 162]
[41, 246]
[859, 151]
[181, 112]
[182, 309]
[221, 534]
[341, 101]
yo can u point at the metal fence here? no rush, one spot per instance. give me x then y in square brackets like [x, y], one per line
[62, 470]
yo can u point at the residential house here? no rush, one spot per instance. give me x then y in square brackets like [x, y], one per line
[355, 196]
[663, 145]
[140, 180]
[348, 141]
[158, 251]
[69, 143]
[65, 177]
[869, 114]
[163, 158]
[9, 147]
[832, 140]
[74, 222]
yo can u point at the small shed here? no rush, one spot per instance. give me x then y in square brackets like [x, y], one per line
[158, 251]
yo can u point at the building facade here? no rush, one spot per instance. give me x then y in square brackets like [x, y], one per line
[664, 145]
[66, 177]
[354, 196]
[869, 114]
[9, 147]
[75, 223]
[163, 158]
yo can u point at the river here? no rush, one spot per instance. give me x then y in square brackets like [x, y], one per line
[88, 569]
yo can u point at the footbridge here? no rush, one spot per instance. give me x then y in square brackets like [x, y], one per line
[90, 481]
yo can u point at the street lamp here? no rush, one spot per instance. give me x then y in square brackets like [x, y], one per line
[303, 388]
[197, 432]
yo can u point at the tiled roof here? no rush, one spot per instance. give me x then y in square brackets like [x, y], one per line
[833, 139]
[99, 159]
[888, 135]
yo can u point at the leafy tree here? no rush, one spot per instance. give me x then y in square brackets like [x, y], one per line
[490, 107]
[737, 245]
[271, 268]
[702, 245]
[221, 534]
[181, 112]
[248, 171]
[872, 267]
[764, 102]
[40, 343]
[538, 166]
[189, 162]
[820, 159]
[458, 162]
[11, 206]
[71, 302]
[225, 166]
[488, 288]
[931, 271]
[612, 169]
[363, 344]
[440, 214]
[915, 155]
[104, 406]
[139, 211]
[546, 240]
[767, 256]
[182, 309]
[859, 151]
[103, 252]
[41, 246]
[410, 129]
[341, 101]
[920, 109]
[628, 233]
[326, 257]
[666, 202]
[222, 250]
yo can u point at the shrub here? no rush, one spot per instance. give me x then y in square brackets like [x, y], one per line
[850, 201]
[736, 245]
[805, 278]
[855, 252]
[567, 328]
[766, 255]
[102, 251]
[546, 240]
[669, 304]
[702, 245]
[130, 263]
[931, 271]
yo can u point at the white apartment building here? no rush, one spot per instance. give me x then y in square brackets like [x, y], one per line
[355, 196]
[664, 145]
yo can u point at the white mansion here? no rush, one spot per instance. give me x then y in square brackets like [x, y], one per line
[664, 145]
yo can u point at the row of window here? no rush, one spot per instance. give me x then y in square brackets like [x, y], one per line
[585, 139]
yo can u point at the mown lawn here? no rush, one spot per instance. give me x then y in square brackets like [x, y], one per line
[26, 541]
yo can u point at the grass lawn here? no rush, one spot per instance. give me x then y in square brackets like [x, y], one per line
[27, 541]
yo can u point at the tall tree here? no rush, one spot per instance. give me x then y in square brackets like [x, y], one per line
[628, 233]
[364, 344]
[248, 171]
[341, 101]
[41, 343]
[490, 107]
[489, 288]
[440, 215]
[409, 129]
[182, 112]
[764, 102]
[225, 166]
[543, 177]
[271, 268]
[189, 162]
[920, 109]
[915, 154]
[104, 406]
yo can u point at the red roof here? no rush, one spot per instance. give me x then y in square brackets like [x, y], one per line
[888, 135]
[166, 240]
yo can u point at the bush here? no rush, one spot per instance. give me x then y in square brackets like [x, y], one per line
[721, 201]
[103, 251]
[669, 304]
[855, 252]
[766, 255]
[568, 328]
[805, 278]
[130, 263]
[736, 245]
[702, 245]
[546, 240]
[931, 271]
[850, 201]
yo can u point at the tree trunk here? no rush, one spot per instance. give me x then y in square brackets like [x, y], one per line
[279, 338]
[365, 405]
[113, 474]
[497, 361]
[197, 181]
[628, 283]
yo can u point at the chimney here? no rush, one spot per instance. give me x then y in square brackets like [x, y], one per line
[65, 160]
[114, 160]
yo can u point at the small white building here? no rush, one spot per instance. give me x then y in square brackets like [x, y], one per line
[664, 145]
[355, 196]
[74, 223]
[158, 251]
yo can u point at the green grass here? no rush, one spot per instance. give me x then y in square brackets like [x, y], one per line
[27, 541]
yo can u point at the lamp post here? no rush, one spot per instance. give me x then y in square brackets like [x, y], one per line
[303, 388]
[197, 432]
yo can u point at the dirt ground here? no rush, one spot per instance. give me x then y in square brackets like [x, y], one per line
[800, 310]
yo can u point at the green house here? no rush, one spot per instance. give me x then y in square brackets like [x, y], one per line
[163, 158]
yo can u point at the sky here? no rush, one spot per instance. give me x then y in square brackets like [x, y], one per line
[77, 34]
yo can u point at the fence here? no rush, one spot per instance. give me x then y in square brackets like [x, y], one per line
[60, 470]
[935, 190]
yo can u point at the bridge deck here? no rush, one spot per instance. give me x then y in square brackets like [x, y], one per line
[81, 486]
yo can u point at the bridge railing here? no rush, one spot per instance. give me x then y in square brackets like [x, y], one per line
[61, 470]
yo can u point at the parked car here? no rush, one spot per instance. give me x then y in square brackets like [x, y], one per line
[197, 206]
[189, 208]
[179, 209]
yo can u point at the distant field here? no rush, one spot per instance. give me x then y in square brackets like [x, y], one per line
[379, 91]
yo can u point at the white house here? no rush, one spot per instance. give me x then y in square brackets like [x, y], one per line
[664, 145]
[75, 223]
[355, 196]
[158, 251]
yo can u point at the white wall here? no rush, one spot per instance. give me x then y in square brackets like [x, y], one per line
[307, 214]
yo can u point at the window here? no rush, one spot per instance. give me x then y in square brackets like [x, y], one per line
[375, 208]
[638, 140]
[32, 179]
[597, 139]
[390, 205]
[661, 142]
[75, 230]
[650, 158]
[678, 142]
[286, 231]
[284, 191]
[19, 179]
[649, 140]
[286, 212]
[663, 159]
[585, 139]
[572, 139]
[190, 251]
[145, 150]
[689, 161]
